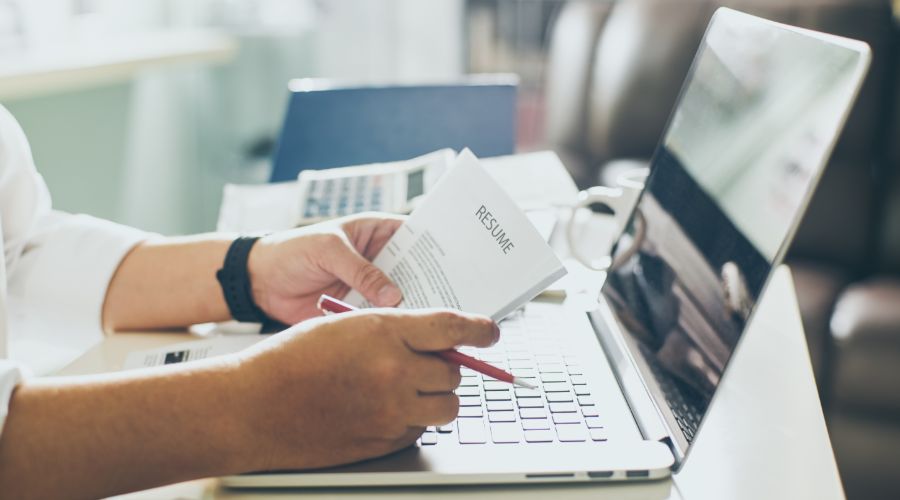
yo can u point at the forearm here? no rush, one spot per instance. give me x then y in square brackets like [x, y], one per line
[97, 436]
[170, 282]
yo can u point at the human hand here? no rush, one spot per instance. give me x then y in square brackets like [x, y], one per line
[290, 270]
[342, 388]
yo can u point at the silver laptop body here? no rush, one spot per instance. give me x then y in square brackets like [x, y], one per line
[625, 388]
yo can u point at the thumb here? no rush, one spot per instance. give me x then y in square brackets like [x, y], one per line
[361, 275]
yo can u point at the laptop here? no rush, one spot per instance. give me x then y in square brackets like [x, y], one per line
[623, 390]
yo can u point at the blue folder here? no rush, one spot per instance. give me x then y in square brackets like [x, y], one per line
[334, 127]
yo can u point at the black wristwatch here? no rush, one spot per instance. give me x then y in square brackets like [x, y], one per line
[235, 281]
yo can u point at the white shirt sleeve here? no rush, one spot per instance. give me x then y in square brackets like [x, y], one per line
[58, 267]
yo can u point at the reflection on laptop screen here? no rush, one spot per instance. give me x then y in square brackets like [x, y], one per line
[743, 149]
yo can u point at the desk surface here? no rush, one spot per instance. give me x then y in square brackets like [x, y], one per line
[764, 437]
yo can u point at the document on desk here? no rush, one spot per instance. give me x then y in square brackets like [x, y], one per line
[467, 246]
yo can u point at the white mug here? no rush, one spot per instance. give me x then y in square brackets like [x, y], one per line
[620, 200]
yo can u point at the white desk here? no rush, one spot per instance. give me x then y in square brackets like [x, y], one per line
[765, 436]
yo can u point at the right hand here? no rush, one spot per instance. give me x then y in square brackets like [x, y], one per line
[342, 388]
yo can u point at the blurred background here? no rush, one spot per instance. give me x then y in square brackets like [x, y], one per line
[141, 111]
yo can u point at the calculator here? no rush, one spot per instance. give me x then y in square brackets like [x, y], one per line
[383, 187]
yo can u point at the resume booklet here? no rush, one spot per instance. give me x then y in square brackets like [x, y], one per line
[467, 246]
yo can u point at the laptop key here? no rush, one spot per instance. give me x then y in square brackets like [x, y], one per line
[495, 385]
[471, 431]
[593, 422]
[557, 387]
[526, 413]
[470, 401]
[497, 395]
[589, 411]
[579, 380]
[585, 401]
[563, 408]
[522, 392]
[521, 364]
[539, 436]
[566, 418]
[502, 416]
[500, 405]
[467, 391]
[530, 402]
[551, 368]
[445, 429]
[506, 433]
[559, 397]
[536, 424]
[553, 377]
[599, 435]
[582, 390]
[469, 411]
[571, 433]
[429, 438]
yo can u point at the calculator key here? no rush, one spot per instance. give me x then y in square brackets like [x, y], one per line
[469, 411]
[536, 424]
[530, 402]
[500, 405]
[539, 436]
[428, 438]
[571, 433]
[470, 401]
[506, 433]
[471, 431]
[599, 435]
[527, 413]
[566, 418]
[553, 377]
[559, 397]
[593, 422]
[563, 408]
[502, 416]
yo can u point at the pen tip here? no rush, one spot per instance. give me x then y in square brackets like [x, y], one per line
[521, 383]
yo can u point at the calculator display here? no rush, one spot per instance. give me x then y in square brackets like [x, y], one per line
[415, 184]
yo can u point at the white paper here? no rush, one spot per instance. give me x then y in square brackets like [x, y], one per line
[189, 351]
[468, 246]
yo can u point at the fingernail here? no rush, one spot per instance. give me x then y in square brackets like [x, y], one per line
[389, 295]
[496, 333]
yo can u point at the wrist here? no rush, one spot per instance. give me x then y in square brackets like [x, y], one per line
[256, 273]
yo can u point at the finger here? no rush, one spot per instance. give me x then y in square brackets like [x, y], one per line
[407, 439]
[434, 409]
[360, 274]
[433, 375]
[427, 331]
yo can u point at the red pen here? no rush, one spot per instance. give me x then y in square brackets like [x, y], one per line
[331, 305]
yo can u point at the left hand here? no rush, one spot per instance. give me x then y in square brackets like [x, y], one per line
[289, 270]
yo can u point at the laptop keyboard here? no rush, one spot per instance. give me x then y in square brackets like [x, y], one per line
[685, 405]
[563, 409]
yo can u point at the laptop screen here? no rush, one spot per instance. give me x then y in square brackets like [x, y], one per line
[746, 143]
